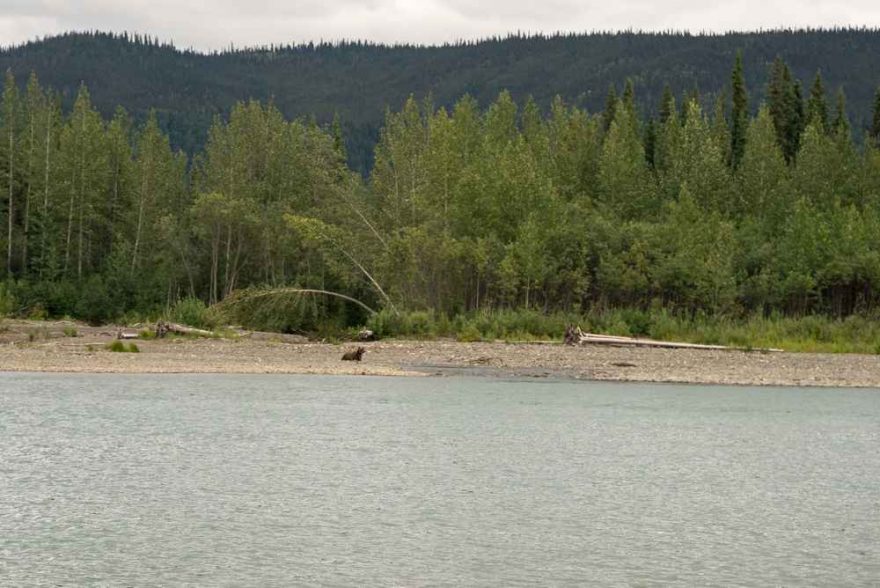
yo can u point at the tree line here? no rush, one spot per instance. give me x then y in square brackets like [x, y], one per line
[717, 210]
[357, 79]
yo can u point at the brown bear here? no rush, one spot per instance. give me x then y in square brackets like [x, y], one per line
[354, 355]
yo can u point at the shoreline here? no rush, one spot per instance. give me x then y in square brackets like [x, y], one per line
[263, 353]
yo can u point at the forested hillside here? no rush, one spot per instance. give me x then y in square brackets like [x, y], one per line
[359, 81]
[713, 212]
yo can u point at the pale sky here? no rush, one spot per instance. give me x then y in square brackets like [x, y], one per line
[214, 24]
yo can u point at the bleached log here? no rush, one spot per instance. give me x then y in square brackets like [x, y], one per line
[163, 328]
[574, 336]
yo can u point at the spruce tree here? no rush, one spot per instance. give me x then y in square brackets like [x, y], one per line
[785, 101]
[629, 95]
[875, 124]
[667, 104]
[650, 142]
[841, 120]
[817, 107]
[610, 108]
[739, 118]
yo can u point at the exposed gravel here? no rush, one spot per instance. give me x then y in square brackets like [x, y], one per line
[29, 346]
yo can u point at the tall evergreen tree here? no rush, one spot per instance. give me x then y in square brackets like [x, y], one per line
[817, 107]
[875, 121]
[667, 104]
[739, 118]
[786, 108]
[610, 108]
[629, 95]
[841, 125]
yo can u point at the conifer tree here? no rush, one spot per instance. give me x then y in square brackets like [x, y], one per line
[610, 108]
[786, 108]
[841, 120]
[650, 141]
[667, 104]
[629, 95]
[739, 118]
[875, 121]
[817, 107]
[720, 130]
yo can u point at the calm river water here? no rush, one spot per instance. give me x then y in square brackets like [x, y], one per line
[294, 480]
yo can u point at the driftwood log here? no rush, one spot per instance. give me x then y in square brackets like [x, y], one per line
[575, 336]
[163, 328]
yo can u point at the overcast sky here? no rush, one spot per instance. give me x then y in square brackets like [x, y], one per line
[214, 24]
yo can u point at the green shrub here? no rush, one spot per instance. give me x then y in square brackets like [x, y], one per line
[118, 346]
[192, 312]
[70, 331]
[7, 299]
[469, 334]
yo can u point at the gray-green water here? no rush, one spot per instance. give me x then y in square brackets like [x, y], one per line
[261, 481]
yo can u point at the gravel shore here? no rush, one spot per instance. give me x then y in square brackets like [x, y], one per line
[43, 347]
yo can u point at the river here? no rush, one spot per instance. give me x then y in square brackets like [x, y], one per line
[297, 480]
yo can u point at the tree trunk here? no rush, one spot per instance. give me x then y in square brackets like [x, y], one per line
[27, 199]
[45, 228]
[11, 196]
[140, 224]
[69, 224]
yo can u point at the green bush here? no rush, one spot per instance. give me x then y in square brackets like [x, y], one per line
[192, 312]
[7, 299]
[469, 334]
[118, 346]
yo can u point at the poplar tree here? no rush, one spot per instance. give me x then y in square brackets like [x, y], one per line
[35, 109]
[10, 138]
[625, 183]
[762, 174]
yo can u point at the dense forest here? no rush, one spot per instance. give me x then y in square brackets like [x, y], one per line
[358, 81]
[715, 211]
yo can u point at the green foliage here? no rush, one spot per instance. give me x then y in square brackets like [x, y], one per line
[146, 334]
[192, 312]
[8, 304]
[118, 346]
[70, 331]
[495, 223]
[739, 116]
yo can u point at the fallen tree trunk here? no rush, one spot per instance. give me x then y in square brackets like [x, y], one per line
[163, 328]
[575, 336]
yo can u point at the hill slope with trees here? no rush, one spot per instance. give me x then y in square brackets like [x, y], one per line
[359, 81]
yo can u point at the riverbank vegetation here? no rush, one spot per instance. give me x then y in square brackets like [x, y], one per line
[730, 222]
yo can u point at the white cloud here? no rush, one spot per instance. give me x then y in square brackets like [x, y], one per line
[215, 24]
